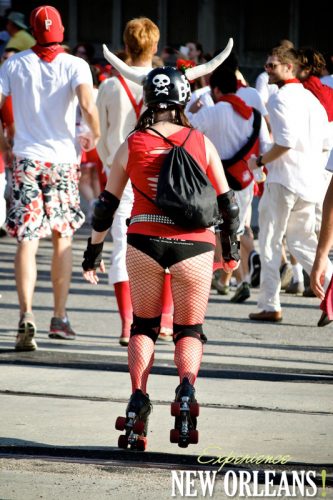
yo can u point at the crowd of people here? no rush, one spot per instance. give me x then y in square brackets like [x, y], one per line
[101, 132]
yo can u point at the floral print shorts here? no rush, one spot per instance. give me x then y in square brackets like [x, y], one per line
[45, 198]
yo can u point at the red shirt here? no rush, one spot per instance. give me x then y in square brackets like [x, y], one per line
[143, 167]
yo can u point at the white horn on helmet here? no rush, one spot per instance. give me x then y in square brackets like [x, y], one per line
[208, 67]
[132, 74]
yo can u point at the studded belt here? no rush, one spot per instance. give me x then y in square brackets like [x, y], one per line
[161, 219]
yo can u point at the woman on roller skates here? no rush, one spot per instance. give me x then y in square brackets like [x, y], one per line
[155, 242]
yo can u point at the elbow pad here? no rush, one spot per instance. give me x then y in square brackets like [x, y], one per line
[104, 210]
[228, 211]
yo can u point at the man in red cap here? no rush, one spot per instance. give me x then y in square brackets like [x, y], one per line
[44, 82]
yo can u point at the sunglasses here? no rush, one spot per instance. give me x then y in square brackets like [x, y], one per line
[272, 65]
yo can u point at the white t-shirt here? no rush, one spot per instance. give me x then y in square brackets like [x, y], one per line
[265, 89]
[44, 104]
[117, 119]
[299, 122]
[252, 98]
[116, 114]
[227, 130]
[249, 95]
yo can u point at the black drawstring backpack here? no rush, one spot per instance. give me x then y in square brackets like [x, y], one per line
[184, 192]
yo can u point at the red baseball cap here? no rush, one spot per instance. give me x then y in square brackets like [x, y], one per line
[46, 25]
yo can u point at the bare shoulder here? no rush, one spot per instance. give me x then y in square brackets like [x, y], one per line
[121, 156]
[208, 143]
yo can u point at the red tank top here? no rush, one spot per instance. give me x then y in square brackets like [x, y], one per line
[143, 167]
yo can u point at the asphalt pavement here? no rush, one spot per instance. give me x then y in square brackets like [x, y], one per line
[264, 390]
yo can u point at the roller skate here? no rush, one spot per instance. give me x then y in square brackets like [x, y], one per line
[186, 410]
[135, 424]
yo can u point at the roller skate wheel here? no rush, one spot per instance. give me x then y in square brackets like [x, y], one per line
[120, 423]
[123, 441]
[175, 409]
[193, 436]
[141, 444]
[174, 436]
[194, 409]
[139, 427]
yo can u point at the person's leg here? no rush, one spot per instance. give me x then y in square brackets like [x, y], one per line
[26, 273]
[146, 293]
[167, 309]
[296, 285]
[118, 276]
[190, 281]
[302, 239]
[85, 186]
[274, 209]
[3, 205]
[244, 200]
[61, 272]
[124, 302]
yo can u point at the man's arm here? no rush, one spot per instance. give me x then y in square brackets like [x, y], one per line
[89, 109]
[273, 154]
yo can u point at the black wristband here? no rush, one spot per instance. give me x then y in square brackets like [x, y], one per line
[259, 161]
[92, 256]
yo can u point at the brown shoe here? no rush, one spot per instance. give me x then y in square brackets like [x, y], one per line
[273, 316]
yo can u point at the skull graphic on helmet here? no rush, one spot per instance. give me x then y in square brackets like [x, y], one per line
[161, 82]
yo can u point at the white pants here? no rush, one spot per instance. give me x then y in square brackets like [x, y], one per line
[2, 198]
[118, 271]
[244, 200]
[283, 212]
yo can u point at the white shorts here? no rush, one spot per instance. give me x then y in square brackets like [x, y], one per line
[244, 199]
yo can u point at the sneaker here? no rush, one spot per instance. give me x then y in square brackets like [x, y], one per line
[125, 331]
[25, 334]
[61, 329]
[254, 268]
[308, 292]
[286, 274]
[215, 278]
[295, 288]
[222, 289]
[306, 279]
[242, 293]
[124, 340]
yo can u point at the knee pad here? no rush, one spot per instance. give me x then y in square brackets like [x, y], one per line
[146, 326]
[194, 331]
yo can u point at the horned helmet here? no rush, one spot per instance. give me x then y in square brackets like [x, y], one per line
[166, 85]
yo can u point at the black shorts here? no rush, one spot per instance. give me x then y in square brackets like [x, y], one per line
[168, 251]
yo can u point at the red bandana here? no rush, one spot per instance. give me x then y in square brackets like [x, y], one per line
[240, 84]
[291, 80]
[47, 54]
[238, 105]
[323, 93]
